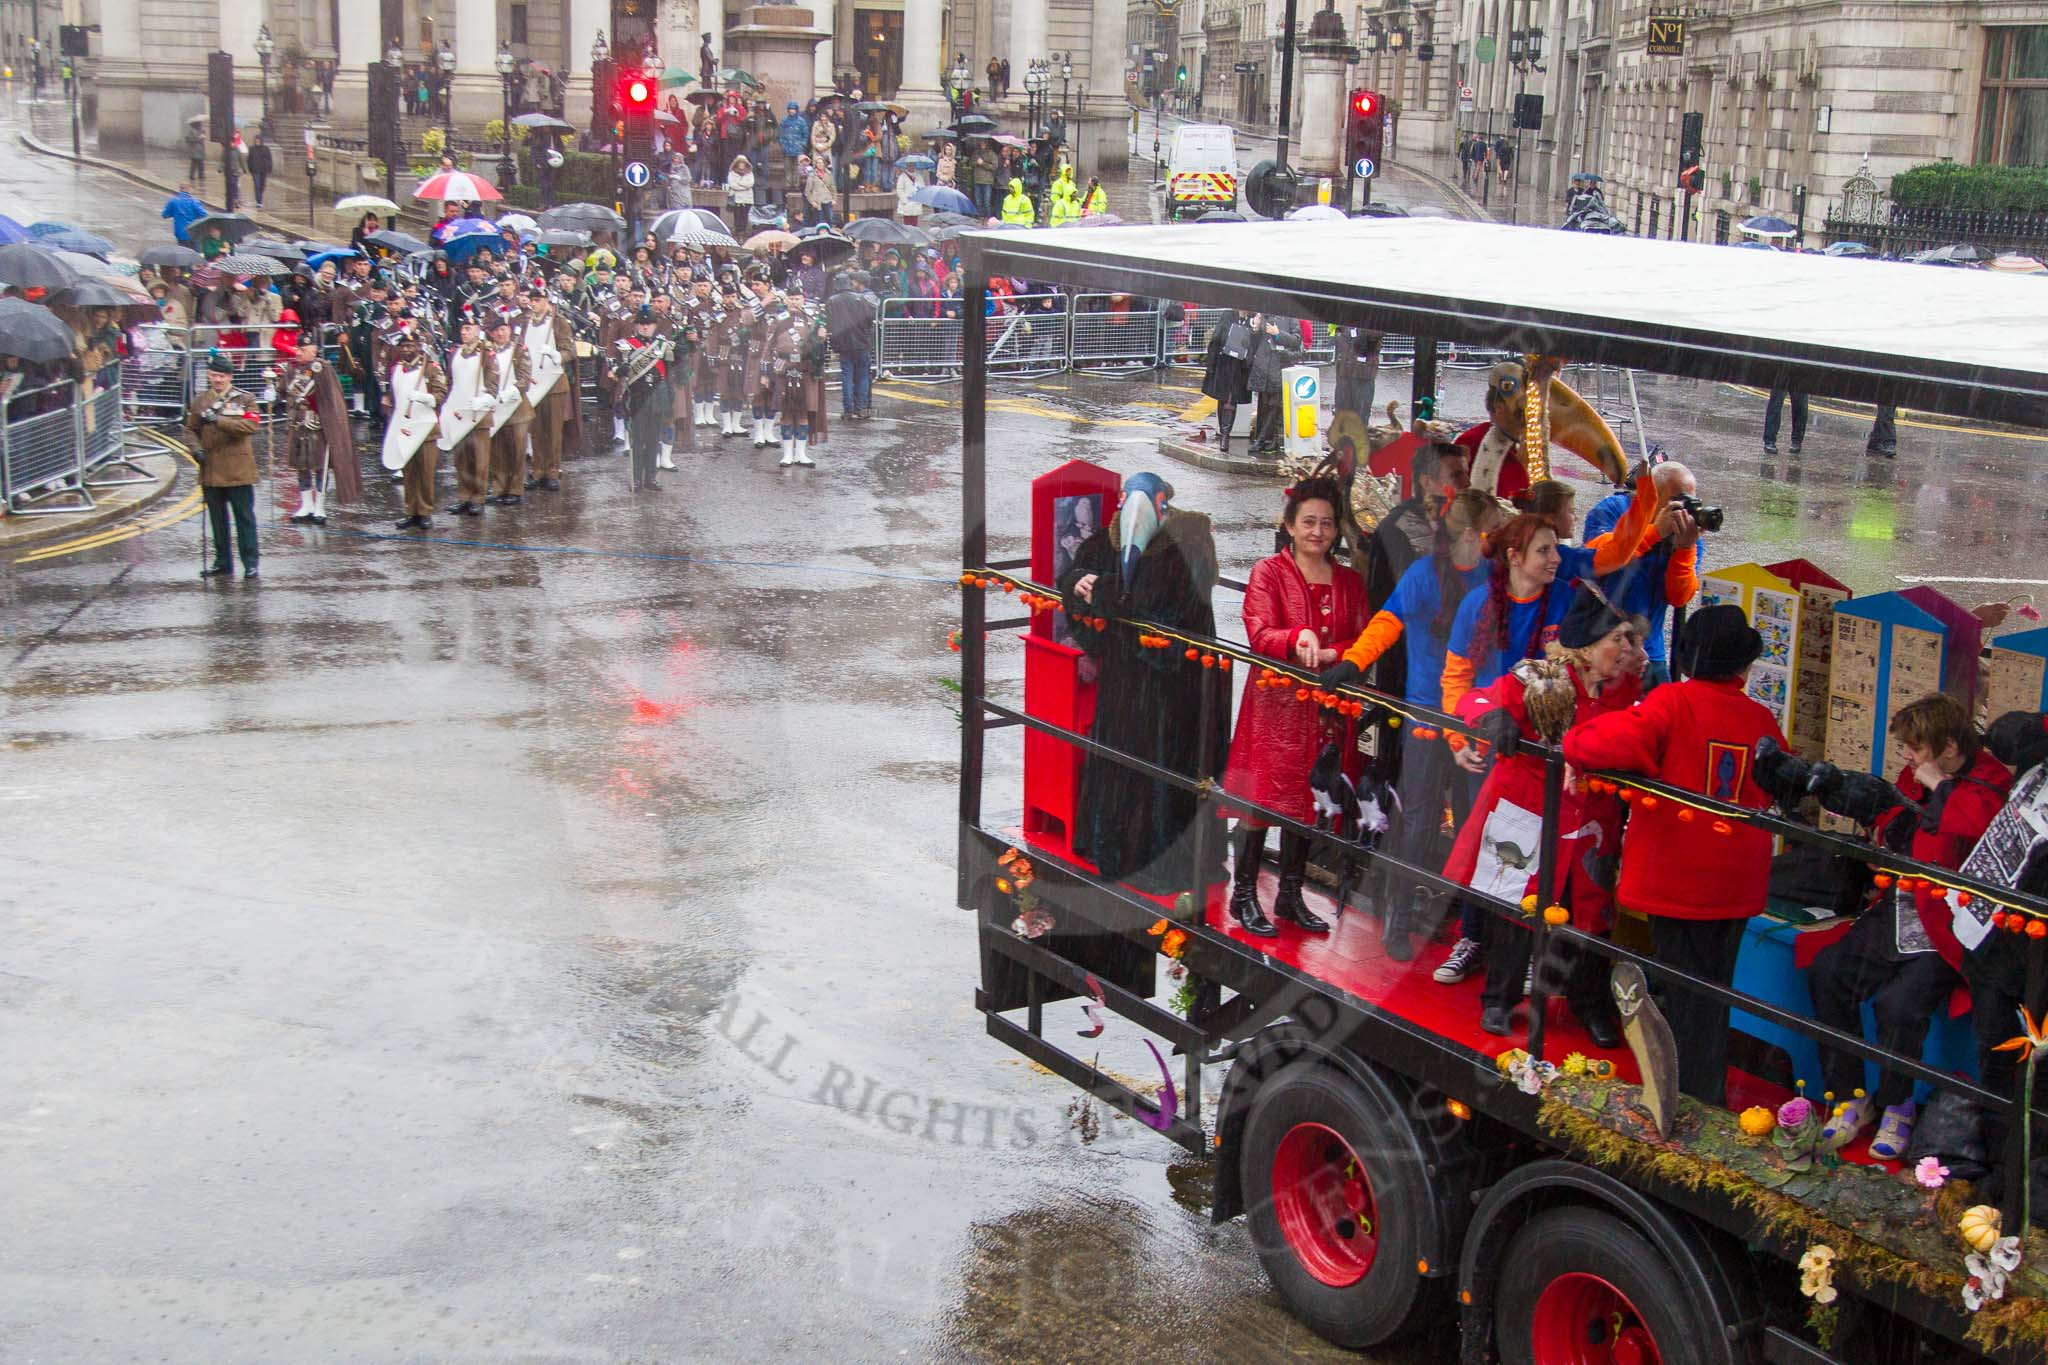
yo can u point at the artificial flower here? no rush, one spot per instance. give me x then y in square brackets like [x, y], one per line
[1985, 1283]
[2026, 1042]
[1174, 943]
[1930, 1172]
[2005, 1254]
[1794, 1113]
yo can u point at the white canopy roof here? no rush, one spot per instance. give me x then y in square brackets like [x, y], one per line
[1964, 341]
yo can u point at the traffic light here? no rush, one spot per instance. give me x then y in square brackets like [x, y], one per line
[603, 100]
[383, 112]
[1365, 131]
[220, 97]
[1691, 138]
[1180, 74]
[636, 115]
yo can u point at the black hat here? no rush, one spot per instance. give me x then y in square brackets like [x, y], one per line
[1590, 617]
[646, 314]
[216, 363]
[1717, 642]
[2018, 739]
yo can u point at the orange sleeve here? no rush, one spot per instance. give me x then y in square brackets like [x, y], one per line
[1459, 672]
[1380, 634]
[1681, 576]
[1627, 539]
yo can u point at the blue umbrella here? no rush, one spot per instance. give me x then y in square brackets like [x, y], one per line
[84, 243]
[943, 198]
[1847, 249]
[45, 229]
[11, 231]
[462, 227]
[1754, 246]
[917, 161]
[461, 248]
[321, 258]
[1763, 225]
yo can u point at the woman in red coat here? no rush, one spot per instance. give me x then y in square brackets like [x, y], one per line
[1304, 607]
[1500, 844]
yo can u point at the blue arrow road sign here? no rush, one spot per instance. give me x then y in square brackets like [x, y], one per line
[637, 177]
[1363, 168]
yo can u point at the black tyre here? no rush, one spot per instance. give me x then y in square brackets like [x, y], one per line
[1337, 1200]
[1579, 1286]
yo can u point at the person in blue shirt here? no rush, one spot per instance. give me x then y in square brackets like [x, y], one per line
[793, 136]
[183, 209]
[1667, 574]
[1418, 615]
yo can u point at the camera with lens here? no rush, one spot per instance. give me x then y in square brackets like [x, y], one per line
[1705, 517]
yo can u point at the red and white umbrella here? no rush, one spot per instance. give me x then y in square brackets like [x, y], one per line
[457, 185]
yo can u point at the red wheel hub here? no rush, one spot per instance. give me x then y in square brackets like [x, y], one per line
[1581, 1319]
[1322, 1199]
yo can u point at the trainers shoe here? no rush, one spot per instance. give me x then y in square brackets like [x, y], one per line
[1894, 1131]
[1465, 955]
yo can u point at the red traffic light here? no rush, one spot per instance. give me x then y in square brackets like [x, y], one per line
[639, 93]
[1364, 103]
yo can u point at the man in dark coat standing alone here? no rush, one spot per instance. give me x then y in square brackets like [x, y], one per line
[260, 164]
[1227, 370]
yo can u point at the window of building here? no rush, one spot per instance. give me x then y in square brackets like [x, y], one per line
[2012, 113]
[515, 25]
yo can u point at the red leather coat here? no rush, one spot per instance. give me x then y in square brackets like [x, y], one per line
[1277, 738]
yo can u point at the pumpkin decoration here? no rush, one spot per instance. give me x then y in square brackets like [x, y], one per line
[1756, 1122]
[1979, 1227]
[1556, 914]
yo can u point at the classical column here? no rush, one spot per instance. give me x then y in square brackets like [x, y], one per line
[120, 75]
[1106, 53]
[477, 96]
[1027, 38]
[587, 19]
[921, 29]
[239, 20]
[825, 15]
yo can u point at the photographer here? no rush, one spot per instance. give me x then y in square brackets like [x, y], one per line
[1667, 573]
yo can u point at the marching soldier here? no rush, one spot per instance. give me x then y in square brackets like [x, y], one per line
[703, 381]
[508, 442]
[472, 381]
[219, 421]
[414, 371]
[641, 384]
[761, 324]
[371, 316]
[547, 331]
[672, 328]
[319, 444]
[730, 323]
[808, 318]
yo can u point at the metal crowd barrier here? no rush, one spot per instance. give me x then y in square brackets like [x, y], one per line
[42, 453]
[156, 379]
[1114, 332]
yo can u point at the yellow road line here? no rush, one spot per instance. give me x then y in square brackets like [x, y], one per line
[183, 510]
[1016, 406]
[1920, 424]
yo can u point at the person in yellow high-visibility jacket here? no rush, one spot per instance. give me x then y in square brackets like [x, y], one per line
[1096, 200]
[1065, 199]
[1017, 206]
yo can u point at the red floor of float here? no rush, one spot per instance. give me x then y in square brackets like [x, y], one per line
[1350, 958]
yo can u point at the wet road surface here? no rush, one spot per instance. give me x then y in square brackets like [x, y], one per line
[535, 941]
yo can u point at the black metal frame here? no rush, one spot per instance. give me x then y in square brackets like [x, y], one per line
[1267, 989]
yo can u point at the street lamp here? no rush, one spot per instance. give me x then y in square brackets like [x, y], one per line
[1066, 78]
[1036, 79]
[446, 60]
[265, 45]
[394, 57]
[506, 66]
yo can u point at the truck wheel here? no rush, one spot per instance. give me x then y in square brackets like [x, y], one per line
[1582, 1287]
[1336, 1206]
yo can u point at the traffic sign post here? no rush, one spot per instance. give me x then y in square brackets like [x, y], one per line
[637, 174]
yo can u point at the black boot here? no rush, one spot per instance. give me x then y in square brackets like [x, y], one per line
[1293, 870]
[1244, 884]
[1401, 922]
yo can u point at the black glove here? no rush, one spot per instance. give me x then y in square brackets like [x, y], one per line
[1340, 673]
[1498, 728]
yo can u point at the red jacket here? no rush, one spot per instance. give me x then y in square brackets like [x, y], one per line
[1277, 738]
[1699, 736]
[1977, 796]
[1496, 851]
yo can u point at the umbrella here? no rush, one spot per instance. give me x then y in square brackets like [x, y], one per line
[1098, 220]
[1222, 216]
[1766, 226]
[11, 231]
[174, 256]
[664, 116]
[732, 75]
[884, 232]
[828, 246]
[1316, 213]
[974, 125]
[1941, 255]
[943, 198]
[46, 228]
[88, 267]
[932, 222]
[28, 266]
[1754, 246]
[1011, 140]
[270, 246]
[675, 78]
[547, 122]
[666, 223]
[1847, 249]
[463, 227]
[940, 135]
[585, 217]
[100, 294]
[687, 234]
[772, 240]
[918, 161]
[459, 185]
[518, 222]
[562, 237]
[84, 243]
[707, 98]
[239, 264]
[231, 226]
[461, 248]
[367, 203]
[396, 242]
[2019, 265]
[875, 107]
[32, 333]
[320, 258]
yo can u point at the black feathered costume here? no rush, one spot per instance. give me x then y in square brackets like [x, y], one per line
[1134, 828]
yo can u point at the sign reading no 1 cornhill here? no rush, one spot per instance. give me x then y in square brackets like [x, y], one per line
[1666, 36]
